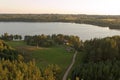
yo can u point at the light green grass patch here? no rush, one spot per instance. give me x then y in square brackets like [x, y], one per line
[16, 43]
[54, 55]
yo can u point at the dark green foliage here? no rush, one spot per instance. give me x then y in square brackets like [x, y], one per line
[98, 71]
[101, 60]
[102, 49]
[39, 40]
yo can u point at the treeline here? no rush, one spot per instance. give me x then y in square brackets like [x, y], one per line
[50, 40]
[43, 40]
[99, 20]
[10, 37]
[102, 49]
[101, 60]
[39, 40]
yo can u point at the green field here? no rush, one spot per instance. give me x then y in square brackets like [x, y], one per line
[16, 43]
[45, 56]
[54, 55]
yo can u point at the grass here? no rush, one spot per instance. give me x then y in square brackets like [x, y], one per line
[16, 43]
[44, 56]
[55, 55]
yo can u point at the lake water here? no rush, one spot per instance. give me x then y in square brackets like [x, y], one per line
[84, 31]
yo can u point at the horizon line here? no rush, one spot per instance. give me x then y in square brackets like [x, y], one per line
[63, 14]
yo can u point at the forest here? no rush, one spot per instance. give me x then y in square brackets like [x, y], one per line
[111, 21]
[99, 58]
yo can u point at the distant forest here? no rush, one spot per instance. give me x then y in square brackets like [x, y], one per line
[111, 21]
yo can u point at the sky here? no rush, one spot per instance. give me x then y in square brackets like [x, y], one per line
[97, 7]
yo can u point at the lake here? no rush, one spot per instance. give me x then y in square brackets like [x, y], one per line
[84, 31]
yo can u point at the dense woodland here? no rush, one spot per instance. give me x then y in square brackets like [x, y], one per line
[101, 60]
[113, 22]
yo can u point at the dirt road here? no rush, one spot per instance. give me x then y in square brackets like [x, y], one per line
[69, 68]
